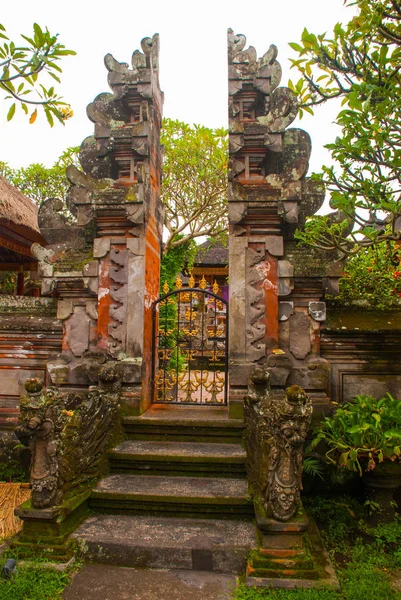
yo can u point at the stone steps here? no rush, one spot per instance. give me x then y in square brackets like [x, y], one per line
[164, 543]
[177, 495]
[181, 423]
[203, 497]
[179, 458]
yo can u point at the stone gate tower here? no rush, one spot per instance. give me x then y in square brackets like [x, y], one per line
[276, 288]
[105, 272]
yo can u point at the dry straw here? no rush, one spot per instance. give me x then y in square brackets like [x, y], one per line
[11, 496]
[16, 208]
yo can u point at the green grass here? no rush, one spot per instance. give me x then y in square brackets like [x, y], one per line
[244, 593]
[365, 558]
[34, 584]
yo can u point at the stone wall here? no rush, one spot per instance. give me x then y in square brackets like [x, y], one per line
[30, 334]
[364, 351]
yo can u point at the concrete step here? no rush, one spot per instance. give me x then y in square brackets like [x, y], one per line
[185, 423]
[202, 497]
[178, 458]
[164, 543]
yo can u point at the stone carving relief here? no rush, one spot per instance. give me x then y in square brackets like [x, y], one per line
[256, 302]
[68, 435]
[118, 293]
[277, 425]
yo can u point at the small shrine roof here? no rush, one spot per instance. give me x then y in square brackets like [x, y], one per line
[211, 253]
[18, 213]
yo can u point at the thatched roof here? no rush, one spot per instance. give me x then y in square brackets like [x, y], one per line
[212, 254]
[16, 207]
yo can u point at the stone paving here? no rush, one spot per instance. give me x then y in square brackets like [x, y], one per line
[119, 583]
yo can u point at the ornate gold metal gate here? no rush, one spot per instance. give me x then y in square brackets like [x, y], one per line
[190, 350]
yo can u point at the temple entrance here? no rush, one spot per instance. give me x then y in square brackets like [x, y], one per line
[190, 351]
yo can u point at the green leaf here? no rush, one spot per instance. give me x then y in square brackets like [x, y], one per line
[49, 117]
[28, 39]
[55, 77]
[393, 433]
[39, 36]
[354, 429]
[11, 112]
[296, 47]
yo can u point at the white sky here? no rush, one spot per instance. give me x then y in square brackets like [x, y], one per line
[193, 70]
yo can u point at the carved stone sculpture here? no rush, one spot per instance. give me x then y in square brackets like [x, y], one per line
[67, 434]
[276, 430]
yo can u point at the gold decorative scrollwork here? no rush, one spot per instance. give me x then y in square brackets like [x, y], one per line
[165, 353]
[203, 283]
[190, 344]
[188, 385]
[215, 387]
[189, 332]
[164, 384]
[216, 355]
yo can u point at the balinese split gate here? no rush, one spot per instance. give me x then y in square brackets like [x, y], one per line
[144, 411]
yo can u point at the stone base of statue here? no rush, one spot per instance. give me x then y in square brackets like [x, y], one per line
[46, 531]
[290, 555]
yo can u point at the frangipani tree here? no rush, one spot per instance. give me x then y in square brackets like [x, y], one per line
[194, 185]
[359, 63]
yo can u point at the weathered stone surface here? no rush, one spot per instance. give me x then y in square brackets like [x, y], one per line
[160, 542]
[178, 489]
[274, 245]
[180, 451]
[101, 246]
[300, 342]
[237, 341]
[317, 311]
[109, 583]
[277, 426]
[285, 268]
[285, 286]
[77, 329]
[279, 367]
[67, 435]
[64, 309]
[285, 310]
[314, 375]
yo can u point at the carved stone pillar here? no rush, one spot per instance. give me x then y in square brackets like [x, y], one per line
[106, 286]
[276, 288]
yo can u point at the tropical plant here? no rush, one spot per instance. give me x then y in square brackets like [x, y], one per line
[372, 278]
[362, 433]
[359, 64]
[22, 70]
[172, 264]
